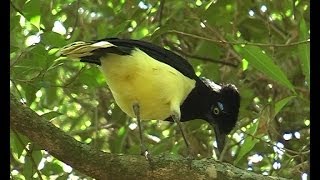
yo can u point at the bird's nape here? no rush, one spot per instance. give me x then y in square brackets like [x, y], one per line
[230, 98]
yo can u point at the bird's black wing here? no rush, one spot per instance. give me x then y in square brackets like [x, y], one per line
[156, 52]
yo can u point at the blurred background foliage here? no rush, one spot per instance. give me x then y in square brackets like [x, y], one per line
[262, 46]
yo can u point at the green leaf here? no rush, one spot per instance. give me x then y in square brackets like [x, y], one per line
[158, 32]
[28, 169]
[244, 64]
[50, 115]
[140, 32]
[31, 163]
[14, 23]
[121, 131]
[13, 49]
[32, 12]
[35, 20]
[248, 143]
[264, 63]
[52, 168]
[51, 96]
[36, 154]
[304, 51]
[210, 50]
[30, 92]
[280, 104]
[118, 115]
[32, 64]
[15, 143]
[36, 147]
[37, 58]
[91, 77]
[53, 39]
[118, 144]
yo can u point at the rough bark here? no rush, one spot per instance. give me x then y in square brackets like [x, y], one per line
[101, 165]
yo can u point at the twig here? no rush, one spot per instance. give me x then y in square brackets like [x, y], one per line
[210, 59]
[201, 57]
[16, 87]
[73, 78]
[76, 19]
[220, 37]
[15, 61]
[140, 20]
[239, 43]
[160, 12]
[16, 9]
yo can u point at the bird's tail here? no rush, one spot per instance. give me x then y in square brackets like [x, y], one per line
[83, 49]
[90, 51]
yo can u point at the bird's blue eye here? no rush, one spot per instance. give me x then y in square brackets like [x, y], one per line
[220, 105]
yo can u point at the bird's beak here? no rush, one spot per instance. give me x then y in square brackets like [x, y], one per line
[220, 138]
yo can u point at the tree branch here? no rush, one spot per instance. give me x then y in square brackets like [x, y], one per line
[101, 165]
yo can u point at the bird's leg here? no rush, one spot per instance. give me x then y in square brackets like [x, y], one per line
[176, 118]
[144, 150]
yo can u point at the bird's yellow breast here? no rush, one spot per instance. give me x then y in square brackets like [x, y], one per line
[158, 88]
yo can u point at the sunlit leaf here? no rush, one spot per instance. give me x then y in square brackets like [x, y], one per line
[263, 63]
[32, 12]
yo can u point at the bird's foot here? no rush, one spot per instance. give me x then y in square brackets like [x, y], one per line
[147, 155]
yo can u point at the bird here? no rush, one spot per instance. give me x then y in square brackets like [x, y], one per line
[149, 82]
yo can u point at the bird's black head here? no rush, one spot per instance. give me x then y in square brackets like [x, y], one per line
[224, 101]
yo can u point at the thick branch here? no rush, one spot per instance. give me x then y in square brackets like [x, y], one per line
[100, 165]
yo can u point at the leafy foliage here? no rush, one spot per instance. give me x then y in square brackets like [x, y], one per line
[261, 46]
